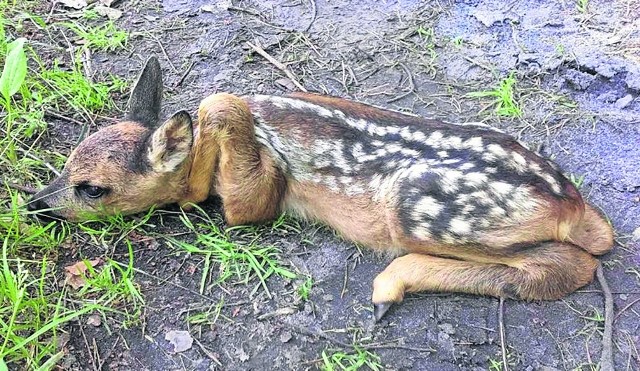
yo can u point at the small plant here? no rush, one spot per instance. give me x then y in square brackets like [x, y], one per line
[90, 14]
[458, 41]
[350, 361]
[73, 88]
[495, 365]
[505, 103]
[13, 76]
[305, 288]
[577, 180]
[582, 5]
[104, 38]
[113, 286]
[245, 262]
[208, 318]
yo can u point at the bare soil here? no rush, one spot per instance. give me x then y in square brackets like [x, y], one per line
[384, 53]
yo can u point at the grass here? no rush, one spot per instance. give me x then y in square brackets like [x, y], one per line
[495, 365]
[34, 304]
[340, 360]
[244, 262]
[504, 97]
[304, 290]
[80, 94]
[582, 5]
[31, 309]
[577, 180]
[104, 38]
[208, 317]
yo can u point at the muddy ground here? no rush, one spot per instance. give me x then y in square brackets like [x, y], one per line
[578, 81]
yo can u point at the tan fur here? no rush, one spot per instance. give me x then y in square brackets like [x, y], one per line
[541, 251]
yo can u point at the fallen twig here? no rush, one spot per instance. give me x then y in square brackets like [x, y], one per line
[606, 358]
[395, 345]
[314, 14]
[25, 189]
[503, 347]
[412, 85]
[184, 75]
[46, 164]
[278, 65]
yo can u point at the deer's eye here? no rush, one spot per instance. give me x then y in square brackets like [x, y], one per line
[91, 191]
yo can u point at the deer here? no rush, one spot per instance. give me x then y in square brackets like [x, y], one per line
[462, 207]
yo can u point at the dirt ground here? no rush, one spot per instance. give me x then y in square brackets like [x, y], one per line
[578, 82]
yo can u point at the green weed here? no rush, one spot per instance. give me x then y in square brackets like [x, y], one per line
[495, 365]
[112, 286]
[244, 262]
[103, 38]
[72, 88]
[31, 309]
[305, 289]
[577, 180]
[505, 102]
[209, 317]
[90, 15]
[350, 361]
[582, 5]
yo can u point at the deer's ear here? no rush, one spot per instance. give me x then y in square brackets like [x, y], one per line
[146, 96]
[171, 143]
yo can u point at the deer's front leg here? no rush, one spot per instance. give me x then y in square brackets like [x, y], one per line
[229, 161]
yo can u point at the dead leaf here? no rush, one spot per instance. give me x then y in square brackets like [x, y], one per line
[110, 13]
[181, 340]
[75, 4]
[94, 320]
[75, 273]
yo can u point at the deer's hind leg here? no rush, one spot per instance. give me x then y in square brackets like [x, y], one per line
[544, 271]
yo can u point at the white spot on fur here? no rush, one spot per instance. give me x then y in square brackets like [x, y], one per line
[449, 180]
[467, 166]
[459, 226]
[429, 206]
[474, 144]
[497, 150]
[422, 231]
[434, 139]
[501, 188]
[475, 179]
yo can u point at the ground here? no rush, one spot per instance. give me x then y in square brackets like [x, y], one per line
[576, 67]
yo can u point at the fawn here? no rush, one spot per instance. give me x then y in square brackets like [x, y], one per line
[466, 208]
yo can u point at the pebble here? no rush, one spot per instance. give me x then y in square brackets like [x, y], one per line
[624, 101]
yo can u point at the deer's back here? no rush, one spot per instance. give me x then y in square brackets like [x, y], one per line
[447, 182]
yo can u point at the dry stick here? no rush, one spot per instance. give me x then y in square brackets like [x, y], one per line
[606, 358]
[60, 116]
[184, 75]
[163, 51]
[412, 86]
[314, 14]
[25, 189]
[278, 65]
[505, 367]
[48, 165]
[619, 312]
[307, 332]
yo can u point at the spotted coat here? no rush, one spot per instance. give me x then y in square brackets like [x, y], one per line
[449, 182]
